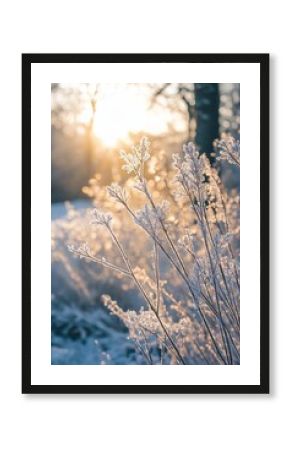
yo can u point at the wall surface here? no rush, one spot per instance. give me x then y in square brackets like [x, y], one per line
[74, 422]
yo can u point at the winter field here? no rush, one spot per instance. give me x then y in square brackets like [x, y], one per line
[145, 264]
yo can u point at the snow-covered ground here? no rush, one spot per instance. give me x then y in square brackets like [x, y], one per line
[88, 336]
[82, 330]
[59, 209]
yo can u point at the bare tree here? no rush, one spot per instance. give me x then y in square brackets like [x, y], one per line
[207, 116]
[201, 103]
[68, 104]
[92, 94]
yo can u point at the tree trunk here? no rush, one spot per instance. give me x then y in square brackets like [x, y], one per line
[90, 140]
[207, 116]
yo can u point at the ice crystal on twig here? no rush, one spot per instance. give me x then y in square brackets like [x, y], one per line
[101, 218]
[138, 156]
[229, 150]
[191, 310]
[118, 193]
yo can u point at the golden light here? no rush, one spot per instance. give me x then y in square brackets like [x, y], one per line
[122, 109]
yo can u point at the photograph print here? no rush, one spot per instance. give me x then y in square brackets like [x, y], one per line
[145, 224]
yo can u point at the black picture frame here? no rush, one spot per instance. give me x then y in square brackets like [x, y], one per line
[263, 61]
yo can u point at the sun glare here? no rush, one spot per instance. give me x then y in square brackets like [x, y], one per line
[109, 133]
[122, 109]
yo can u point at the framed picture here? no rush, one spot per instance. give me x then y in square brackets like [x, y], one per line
[145, 223]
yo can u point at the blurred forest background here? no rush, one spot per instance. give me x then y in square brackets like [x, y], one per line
[91, 121]
[90, 124]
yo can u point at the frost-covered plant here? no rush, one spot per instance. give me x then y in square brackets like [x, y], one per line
[229, 149]
[191, 313]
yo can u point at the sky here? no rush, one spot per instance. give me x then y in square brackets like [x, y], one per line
[124, 108]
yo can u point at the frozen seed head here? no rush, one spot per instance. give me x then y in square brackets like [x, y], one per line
[144, 148]
[71, 248]
[84, 248]
[150, 219]
[140, 185]
[101, 218]
[229, 150]
[140, 153]
[117, 193]
[82, 251]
